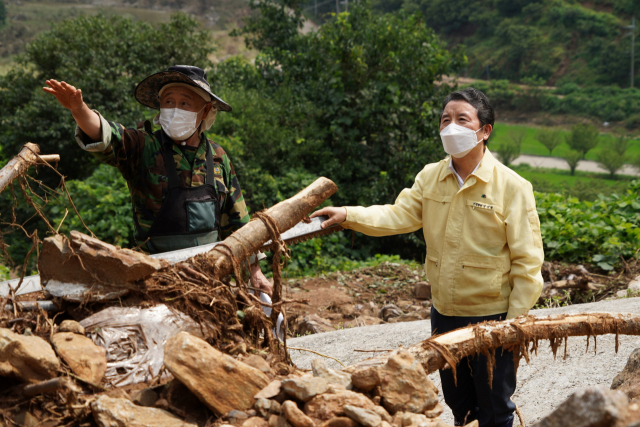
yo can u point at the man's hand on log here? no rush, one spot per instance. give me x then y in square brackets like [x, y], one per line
[258, 280]
[336, 215]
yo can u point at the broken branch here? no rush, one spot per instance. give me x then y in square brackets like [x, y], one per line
[19, 164]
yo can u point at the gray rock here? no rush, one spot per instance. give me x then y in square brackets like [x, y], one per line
[321, 370]
[305, 388]
[366, 417]
[591, 407]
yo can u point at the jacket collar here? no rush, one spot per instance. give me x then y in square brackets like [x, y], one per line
[483, 172]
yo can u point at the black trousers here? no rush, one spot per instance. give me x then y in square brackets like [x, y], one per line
[472, 398]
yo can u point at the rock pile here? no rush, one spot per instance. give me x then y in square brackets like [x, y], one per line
[207, 386]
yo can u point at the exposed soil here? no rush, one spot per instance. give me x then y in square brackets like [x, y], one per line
[364, 296]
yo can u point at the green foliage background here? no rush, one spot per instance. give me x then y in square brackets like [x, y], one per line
[558, 41]
[354, 101]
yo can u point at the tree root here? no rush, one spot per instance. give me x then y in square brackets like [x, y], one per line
[523, 333]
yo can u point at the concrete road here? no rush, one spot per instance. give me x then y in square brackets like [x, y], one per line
[542, 385]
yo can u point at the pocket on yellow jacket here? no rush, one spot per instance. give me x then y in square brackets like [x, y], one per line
[478, 279]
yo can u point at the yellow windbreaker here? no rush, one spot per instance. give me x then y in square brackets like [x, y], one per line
[484, 247]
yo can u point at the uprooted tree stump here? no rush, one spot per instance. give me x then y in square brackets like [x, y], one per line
[197, 286]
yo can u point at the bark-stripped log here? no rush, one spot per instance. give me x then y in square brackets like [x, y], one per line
[19, 164]
[446, 350]
[252, 236]
[83, 259]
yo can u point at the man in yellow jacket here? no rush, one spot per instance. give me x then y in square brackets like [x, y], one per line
[484, 248]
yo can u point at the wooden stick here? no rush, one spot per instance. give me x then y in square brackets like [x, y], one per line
[49, 158]
[438, 351]
[315, 352]
[48, 386]
[19, 164]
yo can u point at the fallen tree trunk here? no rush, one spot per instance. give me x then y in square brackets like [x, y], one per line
[89, 261]
[19, 164]
[447, 350]
[252, 236]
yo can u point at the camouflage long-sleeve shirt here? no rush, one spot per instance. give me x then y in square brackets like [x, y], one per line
[138, 156]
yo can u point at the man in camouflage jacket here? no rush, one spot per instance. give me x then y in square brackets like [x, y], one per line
[145, 159]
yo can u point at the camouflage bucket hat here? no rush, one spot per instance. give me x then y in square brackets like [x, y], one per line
[146, 93]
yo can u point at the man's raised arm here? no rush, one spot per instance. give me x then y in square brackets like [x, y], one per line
[71, 98]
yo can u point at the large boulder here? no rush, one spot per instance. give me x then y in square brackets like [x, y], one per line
[203, 369]
[29, 358]
[86, 360]
[405, 386]
[591, 407]
[329, 405]
[113, 412]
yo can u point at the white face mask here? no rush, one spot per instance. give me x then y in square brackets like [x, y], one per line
[178, 124]
[458, 140]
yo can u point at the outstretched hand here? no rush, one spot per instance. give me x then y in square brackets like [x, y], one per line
[336, 215]
[68, 96]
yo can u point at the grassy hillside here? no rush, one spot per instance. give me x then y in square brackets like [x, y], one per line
[554, 41]
[26, 19]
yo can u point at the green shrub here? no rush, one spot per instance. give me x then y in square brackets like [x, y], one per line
[599, 231]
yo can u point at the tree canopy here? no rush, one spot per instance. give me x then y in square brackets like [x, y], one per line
[105, 57]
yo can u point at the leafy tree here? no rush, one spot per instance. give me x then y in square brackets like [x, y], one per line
[613, 155]
[583, 137]
[611, 160]
[510, 149]
[357, 97]
[549, 138]
[620, 144]
[105, 57]
[572, 158]
[353, 101]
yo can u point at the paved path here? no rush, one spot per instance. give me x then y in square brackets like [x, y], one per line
[559, 163]
[542, 385]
